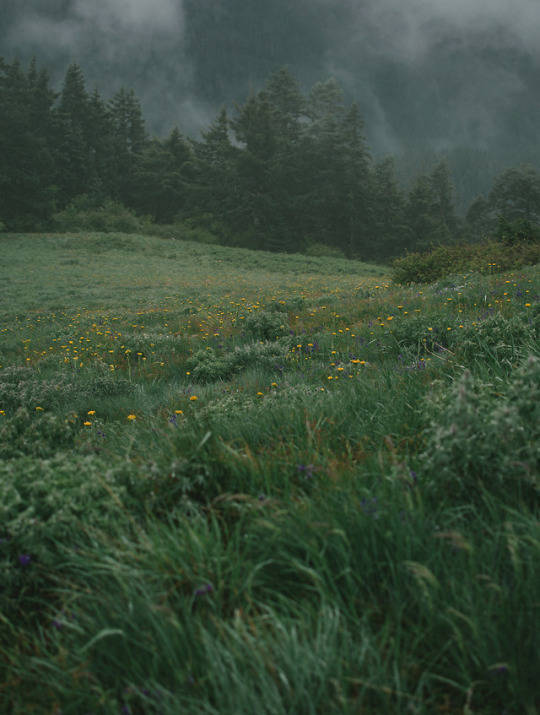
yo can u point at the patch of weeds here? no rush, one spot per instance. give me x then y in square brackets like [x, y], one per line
[265, 325]
[37, 434]
[43, 503]
[209, 366]
[486, 439]
[502, 338]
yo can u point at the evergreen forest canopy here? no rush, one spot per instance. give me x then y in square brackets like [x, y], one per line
[287, 171]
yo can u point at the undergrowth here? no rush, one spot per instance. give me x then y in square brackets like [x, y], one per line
[295, 490]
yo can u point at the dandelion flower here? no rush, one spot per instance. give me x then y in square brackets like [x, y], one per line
[91, 412]
[132, 417]
[178, 412]
[87, 424]
[39, 409]
[193, 398]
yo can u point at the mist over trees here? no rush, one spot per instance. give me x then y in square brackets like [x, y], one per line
[431, 78]
[287, 170]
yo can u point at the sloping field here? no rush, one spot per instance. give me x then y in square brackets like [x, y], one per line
[238, 482]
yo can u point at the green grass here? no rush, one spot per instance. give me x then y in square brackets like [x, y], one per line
[263, 483]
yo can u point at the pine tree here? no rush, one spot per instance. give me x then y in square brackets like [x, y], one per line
[479, 220]
[129, 139]
[388, 206]
[74, 164]
[27, 173]
[423, 222]
[444, 198]
[216, 189]
[356, 211]
[161, 182]
[516, 194]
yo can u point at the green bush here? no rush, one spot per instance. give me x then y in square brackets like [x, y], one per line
[265, 325]
[486, 438]
[208, 366]
[83, 214]
[46, 504]
[182, 231]
[496, 336]
[422, 332]
[515, 232]
[321, 250]
[37, 434]
[27, 387]
[489, 257]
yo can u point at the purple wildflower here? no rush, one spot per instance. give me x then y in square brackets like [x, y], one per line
[203, 590]
[370, 507]
[307, 468]
[24, 559]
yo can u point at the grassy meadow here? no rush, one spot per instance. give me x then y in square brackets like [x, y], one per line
[236, 482]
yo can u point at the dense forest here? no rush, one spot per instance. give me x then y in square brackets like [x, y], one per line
[285, 171]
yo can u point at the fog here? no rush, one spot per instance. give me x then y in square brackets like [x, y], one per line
[428, 73]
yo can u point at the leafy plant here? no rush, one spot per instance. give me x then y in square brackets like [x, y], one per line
[37, 434]
[83, 214]
[44, 505]
[488, 257]
[486, 438]
[265, 325]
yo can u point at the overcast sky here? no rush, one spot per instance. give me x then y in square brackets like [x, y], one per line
[450, 70]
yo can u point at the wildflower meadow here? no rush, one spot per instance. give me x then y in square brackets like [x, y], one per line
[236, 482]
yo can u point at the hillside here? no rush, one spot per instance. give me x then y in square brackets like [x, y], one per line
[237, 482]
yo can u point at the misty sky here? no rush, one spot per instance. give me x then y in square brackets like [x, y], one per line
[444, 72]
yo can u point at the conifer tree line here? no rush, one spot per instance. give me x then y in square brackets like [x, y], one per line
[285, 171]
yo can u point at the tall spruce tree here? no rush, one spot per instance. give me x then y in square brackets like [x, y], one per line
[444, 200]
[216, 191]
[73, 114]
[162, 176]
[389, 234]
[129, 139]
[27, 161]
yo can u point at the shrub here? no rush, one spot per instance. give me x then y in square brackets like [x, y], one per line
[265, 325]
[44, 503]
[267, 354]
[489, 257]
[321, 250]
[26, 387]
[83, 214]
[496, 336]
[519, 231]
[37, 434]
[482, 439]
[208, 366]
[421, 332]
[182, 231]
